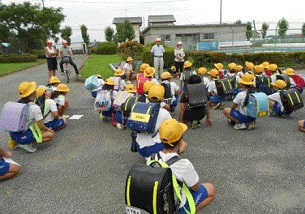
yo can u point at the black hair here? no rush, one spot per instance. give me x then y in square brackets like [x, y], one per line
[194, 79]
[250, 89]
[108, 87]
[172, 145]
[24, 100]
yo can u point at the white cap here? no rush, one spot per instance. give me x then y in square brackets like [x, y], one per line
[179, 43]
[158, 40]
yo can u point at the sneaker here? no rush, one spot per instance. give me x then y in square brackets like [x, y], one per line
[120, 126]
[11, 143]
[27, 147]
[238, 126]
[102, 116]
[198, 124]
[251, 125]
[194, 124]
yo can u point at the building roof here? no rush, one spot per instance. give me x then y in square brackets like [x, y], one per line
[132, 20]
[161, 18]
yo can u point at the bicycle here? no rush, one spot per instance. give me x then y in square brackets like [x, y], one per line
[66, 61]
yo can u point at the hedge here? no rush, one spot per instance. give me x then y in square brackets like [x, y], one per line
[18, 58]
[106, 48]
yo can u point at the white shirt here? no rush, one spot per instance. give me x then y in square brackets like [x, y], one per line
[206, 81]
[147, 139]
[292, 83]
[240, 100]
[276, 97]
[174, 87]
[35, 113]
[179, 52]
[50, 105]
[157, 50]
[212, 87]
[60, 100]
[127, 67]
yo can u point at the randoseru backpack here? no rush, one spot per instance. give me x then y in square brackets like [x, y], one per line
[91, 83]
[120, 98]
[291, 100]
[186, 76]
[167, 93]
[103, 100]
[224, 87]
[263, 84]
[258, 105]
[140, 85]
[299, 81]
[197, 95]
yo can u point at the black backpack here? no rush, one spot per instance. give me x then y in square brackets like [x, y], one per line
[197, 95]
[186, 76]
[224, 87]
[291, 100]
[167, 93]
[263, 84]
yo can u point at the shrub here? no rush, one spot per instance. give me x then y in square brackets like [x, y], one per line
[106, 48]
[132, 49]
[39, 53]
[14, 58]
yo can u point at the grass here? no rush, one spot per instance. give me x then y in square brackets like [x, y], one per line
[7, 68]
[99, 64]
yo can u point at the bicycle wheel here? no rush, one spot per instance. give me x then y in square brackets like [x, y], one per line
[67, 75]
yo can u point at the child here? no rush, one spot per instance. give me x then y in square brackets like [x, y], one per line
[221, 71]
[148, 76]
[60, 99]
[25, 139]
[201, 72]
[141, 74]
[274, 71]
[171, 134]
[216, 101]
[101, 82]
[128, 71]
[266, 69]
[249, 68]
[118, 80]
[54, 81]
[238, 111]
[301, 125]
[8, 170]
[173, 90]
[295, 80]
[185, 75]
[150, 143]
[275, 102]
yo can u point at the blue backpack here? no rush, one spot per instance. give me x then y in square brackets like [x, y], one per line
[263, 84]
[258, 105]
[91, 83]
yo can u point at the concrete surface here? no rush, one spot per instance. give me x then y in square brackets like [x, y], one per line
[83, 169]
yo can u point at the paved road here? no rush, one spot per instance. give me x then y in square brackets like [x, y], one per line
[83, 169]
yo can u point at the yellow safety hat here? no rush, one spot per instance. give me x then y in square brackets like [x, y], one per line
[171, 131]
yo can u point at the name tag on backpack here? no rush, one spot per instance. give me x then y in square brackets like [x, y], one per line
[140, 117]
[261, 114]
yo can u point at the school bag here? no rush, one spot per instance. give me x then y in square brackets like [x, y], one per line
[103, 99]
[117, 81]
[258, 104]
[263, 84]
[41, 101]
[151, 189]
[91, 83]
[14, 117]
[197, 95]
[186, 76]
[284, 77]
[299, 81]
[140, 84]
[120, 98]
[143, 117]
[167, 93]
[291, 100]
[224, 87]
[127, 105]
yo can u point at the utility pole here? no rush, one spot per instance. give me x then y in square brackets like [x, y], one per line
[220, 12]
[42, 3]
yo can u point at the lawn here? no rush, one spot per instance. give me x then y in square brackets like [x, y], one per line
[99, 64]
[6, 68]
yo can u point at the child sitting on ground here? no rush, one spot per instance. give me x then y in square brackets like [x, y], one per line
[8, 170]
[201, 72]
[185, 75]
[171, 134]
[60, 99]
[101, 82]
[120, 83]
[217, 102]
[173, 91]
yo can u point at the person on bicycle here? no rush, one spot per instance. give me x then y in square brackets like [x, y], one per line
[66, 57]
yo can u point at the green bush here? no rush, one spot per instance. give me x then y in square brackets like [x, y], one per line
[39, 53]
[106, 48]
[18, 58]
[132, 49]
[205, 58]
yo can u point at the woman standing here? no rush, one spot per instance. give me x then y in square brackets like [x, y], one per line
[179, 57]
[51, 54]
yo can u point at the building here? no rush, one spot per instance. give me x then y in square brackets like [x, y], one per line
[161, 20]
[136, 23]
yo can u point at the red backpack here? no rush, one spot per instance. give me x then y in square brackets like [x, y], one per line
[299, 81]
[140, 84]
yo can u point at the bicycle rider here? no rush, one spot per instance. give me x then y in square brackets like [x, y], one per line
[66, 52]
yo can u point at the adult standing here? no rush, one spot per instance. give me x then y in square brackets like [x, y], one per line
[157, 51]
[51, 54]
[66, 55]
[179, 57]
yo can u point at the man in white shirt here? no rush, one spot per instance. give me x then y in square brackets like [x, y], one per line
[157, 52]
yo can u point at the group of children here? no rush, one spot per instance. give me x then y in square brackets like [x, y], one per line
[47, 105]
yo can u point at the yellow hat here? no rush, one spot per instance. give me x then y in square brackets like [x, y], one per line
[239, 67]
[109, 81]
[171, 131]
[99, 76]
[156, 92]
[214, 72]
[130, 88]
[149, 71]
[247, 79]
[147, 85]
[289, 72]
[259, 68]
[173, 67]
[281, 84]
[218, 66]
[54, 79]
[25, 89]
[40, 90]
[249, 65]
[62, 88]
[129, 59]
[166, 75]
[232, 66]
[272, 67]
[265, 64]
[118, 72]
[143, 67]
[202, 70]
[187, 64]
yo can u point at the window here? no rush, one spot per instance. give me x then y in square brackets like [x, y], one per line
[207, 36]
[166, 38]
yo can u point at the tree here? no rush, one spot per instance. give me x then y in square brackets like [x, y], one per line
[283, 27]
[265, 28]
[85, 34]
[303, 30]
[66, 33]
[238, 22]
[109, 34]
[29, 25]
[125, 31]
[249, 31]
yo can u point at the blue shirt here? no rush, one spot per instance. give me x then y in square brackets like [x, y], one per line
[157, 50]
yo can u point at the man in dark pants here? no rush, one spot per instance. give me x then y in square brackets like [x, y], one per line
[66, 57]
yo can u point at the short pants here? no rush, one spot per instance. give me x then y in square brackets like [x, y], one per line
[149, 150]
[304, 124]
[4, 167]
[198, 196]
[217, 99]
[277, 109]
[240, 117]
[26, 137]
[55, 124]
